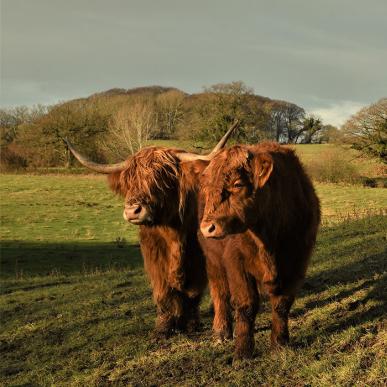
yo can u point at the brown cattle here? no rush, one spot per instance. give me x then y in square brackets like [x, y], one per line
[260, 217]
[160, 195]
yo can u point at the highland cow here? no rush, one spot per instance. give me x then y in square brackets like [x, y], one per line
[160, 192]
[260, 216]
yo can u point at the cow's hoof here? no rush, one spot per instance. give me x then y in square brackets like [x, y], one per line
[279, 341]
[244, 348]
[162, 334]
[222, 335]
[242, 354]
[185, 325]
[164, 328]
[193, 326]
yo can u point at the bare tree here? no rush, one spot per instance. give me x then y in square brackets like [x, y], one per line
[169, 113]
[294, 116]
[130, 128]
[276, 120]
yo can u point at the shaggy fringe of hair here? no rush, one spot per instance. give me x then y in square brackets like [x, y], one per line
[154, 171]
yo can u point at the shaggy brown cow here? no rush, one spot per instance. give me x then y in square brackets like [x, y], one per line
[160, 195]
[262, 213]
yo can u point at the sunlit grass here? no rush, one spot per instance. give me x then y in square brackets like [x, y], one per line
[59, 208]
[76, 308]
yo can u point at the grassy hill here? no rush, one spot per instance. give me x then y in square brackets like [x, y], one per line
[76, 307]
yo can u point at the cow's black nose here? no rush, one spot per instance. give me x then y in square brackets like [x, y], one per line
[132, 212]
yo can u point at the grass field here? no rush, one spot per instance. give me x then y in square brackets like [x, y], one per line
[309, 153]
[76, 307]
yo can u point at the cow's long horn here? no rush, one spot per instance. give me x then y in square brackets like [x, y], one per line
[186, 156]
[101, 168]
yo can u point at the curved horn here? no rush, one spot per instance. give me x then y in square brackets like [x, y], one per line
[186, 156]
[101, 168]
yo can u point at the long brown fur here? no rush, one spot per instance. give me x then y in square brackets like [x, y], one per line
[266, 206]
[172, 255]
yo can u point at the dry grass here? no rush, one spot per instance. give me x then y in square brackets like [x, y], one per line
[76, 307]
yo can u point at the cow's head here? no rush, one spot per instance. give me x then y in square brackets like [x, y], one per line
[230, 186]
[151, 181]
[151, 185]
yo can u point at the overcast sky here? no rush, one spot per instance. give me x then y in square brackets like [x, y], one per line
[328, 56]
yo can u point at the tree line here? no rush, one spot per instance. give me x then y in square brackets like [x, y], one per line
[113, 124]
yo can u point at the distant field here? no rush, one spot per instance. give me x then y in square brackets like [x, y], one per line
[305, 150]
[365, 167]
[307, 153]
[76, 308]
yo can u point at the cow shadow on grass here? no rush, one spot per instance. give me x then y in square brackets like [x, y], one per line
[23, 259]
[356, 281]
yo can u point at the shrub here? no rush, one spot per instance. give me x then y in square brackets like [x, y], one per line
[11, 159]
[333, 166]
[370, 182]
[375, 182]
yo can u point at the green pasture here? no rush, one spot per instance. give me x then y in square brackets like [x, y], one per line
[308, 154]
[76, 307]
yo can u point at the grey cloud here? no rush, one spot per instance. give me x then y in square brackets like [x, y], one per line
[308, 52]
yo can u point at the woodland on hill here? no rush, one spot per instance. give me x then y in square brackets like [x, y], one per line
[112, 124]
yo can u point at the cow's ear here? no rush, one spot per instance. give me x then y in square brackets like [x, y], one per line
[262, 165]
[114, 180]
[200, 166]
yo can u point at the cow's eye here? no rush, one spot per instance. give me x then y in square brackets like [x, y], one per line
[238, 184]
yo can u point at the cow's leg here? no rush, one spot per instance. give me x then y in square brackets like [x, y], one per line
[220, 294]
[280, 305]
[168, 300]
[169, 311]
[165, 300]
[165, 323]
[245, 300]
[246, 309]
[281, 300]
[190, 320]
